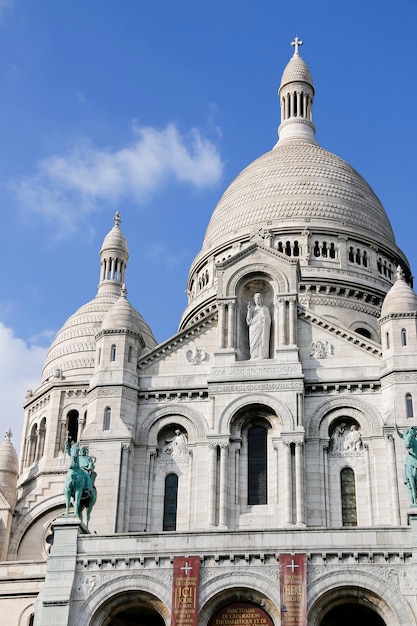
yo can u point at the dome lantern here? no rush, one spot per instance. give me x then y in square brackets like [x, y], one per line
[296, 94]
[113, 259]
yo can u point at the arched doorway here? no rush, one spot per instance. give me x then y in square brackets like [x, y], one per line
[137, 615]
[352, 613]
[125, 609]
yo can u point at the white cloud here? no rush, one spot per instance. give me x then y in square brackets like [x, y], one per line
[73, 185]
[20, 370]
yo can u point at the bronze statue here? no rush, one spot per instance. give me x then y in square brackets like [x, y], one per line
[79, 482]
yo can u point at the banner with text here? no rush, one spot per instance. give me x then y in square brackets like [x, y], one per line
[293, 578]
[241, 614]
[185, 591]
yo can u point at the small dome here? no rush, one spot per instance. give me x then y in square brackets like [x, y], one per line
[115, 239]
[123, 316]
[400, 298]
[296, 72]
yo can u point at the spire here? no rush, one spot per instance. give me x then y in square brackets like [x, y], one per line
[113, 260]
[296, 94]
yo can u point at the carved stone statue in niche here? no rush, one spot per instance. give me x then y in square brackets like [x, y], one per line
[178, 445]
[258, 320]
[346, 438]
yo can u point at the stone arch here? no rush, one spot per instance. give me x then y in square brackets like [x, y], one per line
[220, 588]
[26, 614]
[265, 269]
[369, 418]
[30, 518]
[191, 420]
[105, 595]
[280, 409]
[378, 593]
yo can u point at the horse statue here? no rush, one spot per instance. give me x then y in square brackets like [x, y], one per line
[79, 482]
[410, 467]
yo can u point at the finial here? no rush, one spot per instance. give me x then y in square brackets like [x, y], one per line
[117, 219]
[123, 290]
[8, 435]
[296, 43]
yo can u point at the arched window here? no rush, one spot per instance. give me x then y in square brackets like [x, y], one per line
[170, 503]
[113, 353]
[129, 354]
[409, 409]
[107, 418]
[348, 493]
[387, 341]
[257, 466]
[364, 332]
[98, 356]
[40, 445]
[32, 444]
[31, 620]
[403, 337]
[72, 424]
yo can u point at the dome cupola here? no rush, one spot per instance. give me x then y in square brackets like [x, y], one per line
[296, 94]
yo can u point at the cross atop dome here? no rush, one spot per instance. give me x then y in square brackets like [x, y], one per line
[117, 219]
[296, 43]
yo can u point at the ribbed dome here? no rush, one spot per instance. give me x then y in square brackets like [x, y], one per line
[400, 298]
[300, 184]
[296, 71]
[73, 349]
[123, 316]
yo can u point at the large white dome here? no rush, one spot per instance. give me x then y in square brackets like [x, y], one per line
[298, 184]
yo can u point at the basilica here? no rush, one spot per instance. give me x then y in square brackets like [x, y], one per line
[260, 466]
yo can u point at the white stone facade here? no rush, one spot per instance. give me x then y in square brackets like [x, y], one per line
[201, 450]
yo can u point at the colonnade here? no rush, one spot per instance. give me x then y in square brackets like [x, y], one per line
[224, 482]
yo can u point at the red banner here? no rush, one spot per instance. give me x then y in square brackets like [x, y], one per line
[185, 591]
[293, 589]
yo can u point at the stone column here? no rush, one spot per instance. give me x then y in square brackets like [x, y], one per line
[326, 484]
[224, 456]
[151, 464]
[368, 484]
[392, 468]
[123, 488]
[221, 320]
[292, 315]
[212, 484]
[299, 484]
[282, 322]
[287, 484]
[231, 324]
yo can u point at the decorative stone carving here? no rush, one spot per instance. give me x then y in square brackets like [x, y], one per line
[321, 349]
[345, 439]
[196, 355]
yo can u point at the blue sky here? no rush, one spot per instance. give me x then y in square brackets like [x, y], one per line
[152, 108]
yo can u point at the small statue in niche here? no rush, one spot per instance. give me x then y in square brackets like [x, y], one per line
[258, 320]
[178, 445]
[353, 439]
[337, 438]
